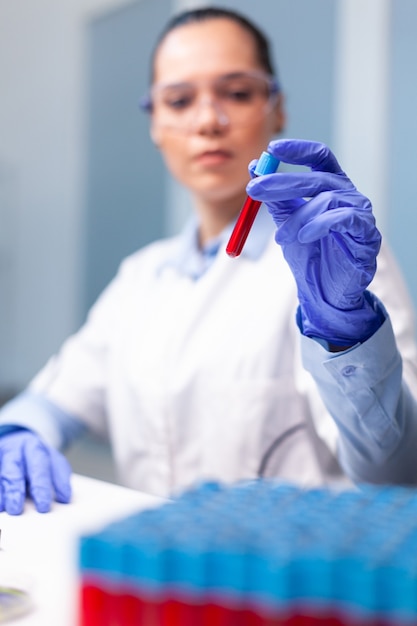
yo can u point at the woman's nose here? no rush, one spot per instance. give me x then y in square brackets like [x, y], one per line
[209, 116]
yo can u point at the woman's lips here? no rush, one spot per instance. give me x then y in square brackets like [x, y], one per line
[213, 157]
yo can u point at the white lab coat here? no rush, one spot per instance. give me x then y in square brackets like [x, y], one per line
[196, 380]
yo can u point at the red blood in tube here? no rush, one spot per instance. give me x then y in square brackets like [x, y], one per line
[242, 228]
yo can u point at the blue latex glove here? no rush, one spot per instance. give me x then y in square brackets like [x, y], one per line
[328, 236]
[28, 463]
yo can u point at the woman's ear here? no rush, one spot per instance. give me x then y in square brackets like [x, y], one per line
[280, 115]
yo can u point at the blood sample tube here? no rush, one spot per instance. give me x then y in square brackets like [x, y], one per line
[267, 164]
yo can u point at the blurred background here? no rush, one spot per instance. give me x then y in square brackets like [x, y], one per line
[81, 185]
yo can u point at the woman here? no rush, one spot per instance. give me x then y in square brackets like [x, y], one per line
[189, 361]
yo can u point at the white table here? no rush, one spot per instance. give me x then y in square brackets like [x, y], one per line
[39, 551]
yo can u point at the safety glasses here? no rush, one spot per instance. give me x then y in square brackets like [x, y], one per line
[236, 99]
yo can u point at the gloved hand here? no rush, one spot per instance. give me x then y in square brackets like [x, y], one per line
[328, 236]
[27, 462]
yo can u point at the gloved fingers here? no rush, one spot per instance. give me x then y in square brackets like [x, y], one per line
[61, 475]
[251, 167]
[13, 483]
[332, 208]
[356, 234]
[302, 152]
[38, 469]
[358, 226]
[281, 211]
[288, 185]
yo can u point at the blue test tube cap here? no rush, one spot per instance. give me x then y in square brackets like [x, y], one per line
[267, 164]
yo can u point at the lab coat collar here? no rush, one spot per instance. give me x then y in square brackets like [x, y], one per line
[188, 259]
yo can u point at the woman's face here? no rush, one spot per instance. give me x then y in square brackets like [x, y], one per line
[209, 154]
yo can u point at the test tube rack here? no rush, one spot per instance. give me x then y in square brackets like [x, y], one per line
[257, 554]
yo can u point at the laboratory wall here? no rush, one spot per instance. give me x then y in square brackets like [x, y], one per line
[401, 144]
[81, 184]
[43, 155]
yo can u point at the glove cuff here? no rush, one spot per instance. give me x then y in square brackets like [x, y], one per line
[341, 327]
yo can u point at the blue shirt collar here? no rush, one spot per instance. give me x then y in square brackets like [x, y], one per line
[188, 259]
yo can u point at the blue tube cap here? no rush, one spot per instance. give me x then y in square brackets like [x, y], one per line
[267, 164]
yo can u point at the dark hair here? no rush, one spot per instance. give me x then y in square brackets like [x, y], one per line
[208, 13]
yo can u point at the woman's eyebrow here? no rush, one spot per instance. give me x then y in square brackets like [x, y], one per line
[191, 83]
